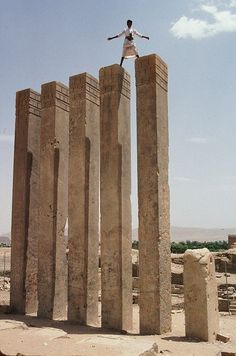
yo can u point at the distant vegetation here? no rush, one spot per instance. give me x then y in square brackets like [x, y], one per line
[181, 247]
[2, 244]
[214, 246]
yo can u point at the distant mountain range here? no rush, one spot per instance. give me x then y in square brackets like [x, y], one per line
[196, 234]
[5, 238]
[177, 234]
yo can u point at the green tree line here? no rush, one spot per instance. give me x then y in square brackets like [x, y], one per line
[181, 247]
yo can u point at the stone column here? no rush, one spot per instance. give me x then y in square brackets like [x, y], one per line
[116, 264]
[24, 234]
[231, 241]
[200, 295]
[83, 199]
[52, 267]
[153, 195]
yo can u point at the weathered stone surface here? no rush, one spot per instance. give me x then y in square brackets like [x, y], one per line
[24, 236]
[200, 295]
[52, 267]
[153, 195]
[231, 241]
[116, 263]
[152, 351]
[222, 338]
[83, 217]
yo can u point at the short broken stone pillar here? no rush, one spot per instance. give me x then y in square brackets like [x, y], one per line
[153, 195]
[83, 218]
[24, 234]
[200, 295]
[52, 266]
[116, 263]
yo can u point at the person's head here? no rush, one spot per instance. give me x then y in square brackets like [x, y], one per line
[129, 23]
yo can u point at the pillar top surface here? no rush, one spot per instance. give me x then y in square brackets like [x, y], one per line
[28, 92]
[29, 101]
[84, 86]
[56, 85]
[114, 79]
[151, 69]
[201, 256]
[85, 78]
[55, 94]
[152, 59]
[113, 70]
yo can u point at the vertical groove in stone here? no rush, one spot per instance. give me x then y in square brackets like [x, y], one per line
[24, 236]
[153, 195]
[116, 264]
[83, 199]
[52, 266]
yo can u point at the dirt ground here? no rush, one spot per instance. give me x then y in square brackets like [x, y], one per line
[29, 335]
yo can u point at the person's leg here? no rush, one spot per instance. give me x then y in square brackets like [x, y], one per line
[121, 61]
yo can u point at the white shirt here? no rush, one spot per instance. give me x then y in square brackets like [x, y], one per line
[127, 31]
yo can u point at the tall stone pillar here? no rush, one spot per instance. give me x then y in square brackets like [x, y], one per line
[83, 217]
[200, 295]
[52, 266]
[153, 195]
[116, 264]
[24, 234]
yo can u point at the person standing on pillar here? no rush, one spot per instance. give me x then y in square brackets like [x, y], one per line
[129, 46]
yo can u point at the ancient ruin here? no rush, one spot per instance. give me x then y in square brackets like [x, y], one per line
[153, 195]
[72, 164]
[116, 264]
[83, 214]
[200, 295]
[53, 201]
[73, 160]
[25, 205]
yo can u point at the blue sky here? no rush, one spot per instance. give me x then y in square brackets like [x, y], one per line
[47, 40]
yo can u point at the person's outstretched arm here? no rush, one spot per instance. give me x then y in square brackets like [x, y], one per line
[140, 35]
[119, 35]
[112, 38]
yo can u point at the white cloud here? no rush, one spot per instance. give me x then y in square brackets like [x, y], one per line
[197, 140]
[232, 3]
[223, 21]
[6, 138]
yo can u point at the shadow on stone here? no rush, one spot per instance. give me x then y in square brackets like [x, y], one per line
[67, 326]
[180, 339]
